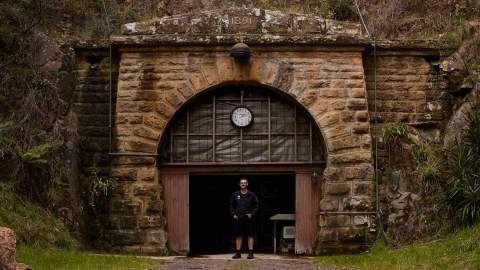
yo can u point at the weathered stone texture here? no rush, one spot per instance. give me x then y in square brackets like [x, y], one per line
[8, 245]
[329, 84]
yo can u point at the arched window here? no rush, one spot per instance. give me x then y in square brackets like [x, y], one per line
[278, 130]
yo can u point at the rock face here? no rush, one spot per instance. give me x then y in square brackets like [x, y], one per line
[325, 66]
[8, 244]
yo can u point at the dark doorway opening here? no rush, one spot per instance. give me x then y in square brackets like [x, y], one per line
[210, 221]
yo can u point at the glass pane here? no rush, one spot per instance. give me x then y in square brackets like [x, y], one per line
[231, 93]
[200, 149]
[303, 147]
[227, 149]
[282, 117]
[318, 146]
[180, 124]
[164, 153]
[179, 149]
[255, 148]
[255, 93]
[282, 148]
[260, 117]
[201, 116]
[303, 123]
[223, 110]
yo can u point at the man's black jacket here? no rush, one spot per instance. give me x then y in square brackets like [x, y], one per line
[242, 204]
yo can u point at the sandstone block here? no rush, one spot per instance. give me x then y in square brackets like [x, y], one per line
[123, 130]
[361, 128]
[139, 146]
[185, 90]
[147, 133]
[328, 234]
[125, 237]
[119, 222]
[355, 157]
[146, 190]
[332, 173]
[156, 236]
[352, 234]
[154, 121]
[364, 172]
[337, 188]
[155, 207]
[333, 220]
[357, 104]
[132, 160]
[347, 116]
[364, 188]
[164, 109]
[361, 116]
[150, 222]
[225, 66]
[308, 99]
[173, 99]
[125, 174]
[329, 118]
[358, 203]
[146, 174]
[197, 81]
[338, 105]
[358, 93]
[211, 74]
[360, 220]
[125, 207]
[329, 204]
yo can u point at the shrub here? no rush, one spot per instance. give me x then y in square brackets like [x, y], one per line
[462, 193]
[392, 132]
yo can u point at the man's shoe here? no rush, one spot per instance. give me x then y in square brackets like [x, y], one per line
[237, 255]
[250, 254]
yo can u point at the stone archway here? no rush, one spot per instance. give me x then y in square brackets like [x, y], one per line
[154, 82]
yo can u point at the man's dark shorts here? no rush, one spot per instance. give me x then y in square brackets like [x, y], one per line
[243, 227]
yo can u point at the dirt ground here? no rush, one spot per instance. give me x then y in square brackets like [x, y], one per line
[242, 264]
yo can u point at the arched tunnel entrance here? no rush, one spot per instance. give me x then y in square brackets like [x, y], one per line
[233, 132]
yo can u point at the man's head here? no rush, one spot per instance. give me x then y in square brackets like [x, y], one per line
[243, 183]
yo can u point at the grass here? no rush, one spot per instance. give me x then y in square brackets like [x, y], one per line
[56, 259]
[458, 251]
[32, 224]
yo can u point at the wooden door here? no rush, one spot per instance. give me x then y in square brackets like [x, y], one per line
[307, 194]
[176, 194]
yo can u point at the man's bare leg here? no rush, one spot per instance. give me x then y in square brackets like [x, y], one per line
[250, 243]
[238, 242]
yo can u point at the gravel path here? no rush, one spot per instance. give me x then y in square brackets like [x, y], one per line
[243, 264]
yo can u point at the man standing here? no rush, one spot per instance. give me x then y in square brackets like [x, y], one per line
[243, 208]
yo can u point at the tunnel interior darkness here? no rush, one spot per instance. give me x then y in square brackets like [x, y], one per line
[210, 221]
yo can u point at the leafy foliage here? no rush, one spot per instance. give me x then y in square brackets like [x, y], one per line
[427, 158]
[392, 132]
[100, 189]
[462, 194]
[38, 154]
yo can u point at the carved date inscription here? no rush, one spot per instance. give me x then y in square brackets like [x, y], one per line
[242, 23]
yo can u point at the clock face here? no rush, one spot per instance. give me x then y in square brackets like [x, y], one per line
[242, 117]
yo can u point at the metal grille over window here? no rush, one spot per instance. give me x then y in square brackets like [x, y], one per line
[280, 131]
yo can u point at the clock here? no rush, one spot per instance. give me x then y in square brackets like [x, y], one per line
[241, 117]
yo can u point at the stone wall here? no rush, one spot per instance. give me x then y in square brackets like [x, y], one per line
[154, 84]
[90, 116]
[410, 89]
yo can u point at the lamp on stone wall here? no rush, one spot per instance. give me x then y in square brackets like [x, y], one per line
[240, 51]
